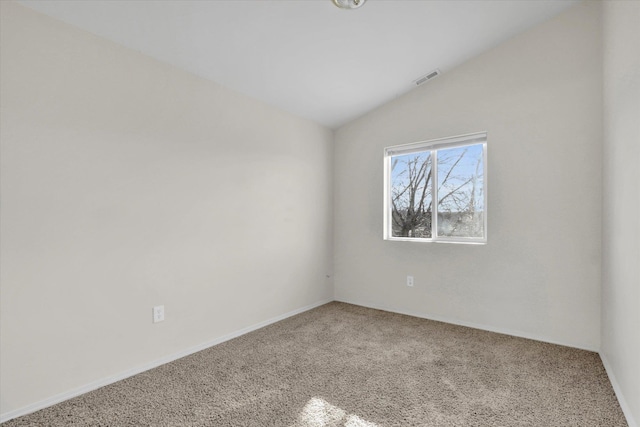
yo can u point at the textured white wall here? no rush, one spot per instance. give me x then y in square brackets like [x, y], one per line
[539, 97]
[126, 184]
[621, 195]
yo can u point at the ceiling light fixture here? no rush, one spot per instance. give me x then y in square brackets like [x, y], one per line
[349, 4]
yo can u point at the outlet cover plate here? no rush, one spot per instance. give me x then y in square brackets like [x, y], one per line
[158, 313]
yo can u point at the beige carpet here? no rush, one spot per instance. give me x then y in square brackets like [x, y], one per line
[343, 365]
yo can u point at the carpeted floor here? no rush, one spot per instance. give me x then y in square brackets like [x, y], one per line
[344, 365]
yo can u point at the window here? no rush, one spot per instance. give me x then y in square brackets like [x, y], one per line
[436, 191]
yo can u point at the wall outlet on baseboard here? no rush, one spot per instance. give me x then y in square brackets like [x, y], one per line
[409, 280]
[158, 313]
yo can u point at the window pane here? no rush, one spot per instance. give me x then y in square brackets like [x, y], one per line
[411, 195]
[461, 191]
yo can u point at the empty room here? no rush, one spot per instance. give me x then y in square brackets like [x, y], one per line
[320, 213]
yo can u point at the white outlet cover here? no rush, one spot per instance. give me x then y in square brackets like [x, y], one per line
[158, 313]
[409, 280]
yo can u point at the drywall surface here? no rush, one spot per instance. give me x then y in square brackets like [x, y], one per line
[539, 98]
[621, 196]
[127, 184]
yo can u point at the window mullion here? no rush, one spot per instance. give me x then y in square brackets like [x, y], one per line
[434, 194]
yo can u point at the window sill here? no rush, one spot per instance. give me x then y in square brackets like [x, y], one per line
[439, 240]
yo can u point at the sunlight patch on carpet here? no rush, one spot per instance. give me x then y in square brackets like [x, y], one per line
[320, 413]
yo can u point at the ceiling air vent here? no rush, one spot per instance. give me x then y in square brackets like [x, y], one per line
[431, 75]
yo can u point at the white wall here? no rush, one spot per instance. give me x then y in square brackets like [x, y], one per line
[621, 196]
[539, 97]
[126, 184]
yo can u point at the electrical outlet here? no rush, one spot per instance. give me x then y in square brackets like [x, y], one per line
[409, 280]
[158, 313]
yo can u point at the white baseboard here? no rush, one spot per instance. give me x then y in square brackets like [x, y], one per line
[616, 388]
[142, 368]
[473, 325]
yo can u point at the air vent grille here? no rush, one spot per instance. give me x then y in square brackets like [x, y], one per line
[431, 75]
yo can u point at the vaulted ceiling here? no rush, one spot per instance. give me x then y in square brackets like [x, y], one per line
[307, 56]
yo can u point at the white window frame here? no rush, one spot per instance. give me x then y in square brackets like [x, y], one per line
[433, 146]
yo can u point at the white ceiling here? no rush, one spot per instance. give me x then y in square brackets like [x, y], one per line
[307, 56]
